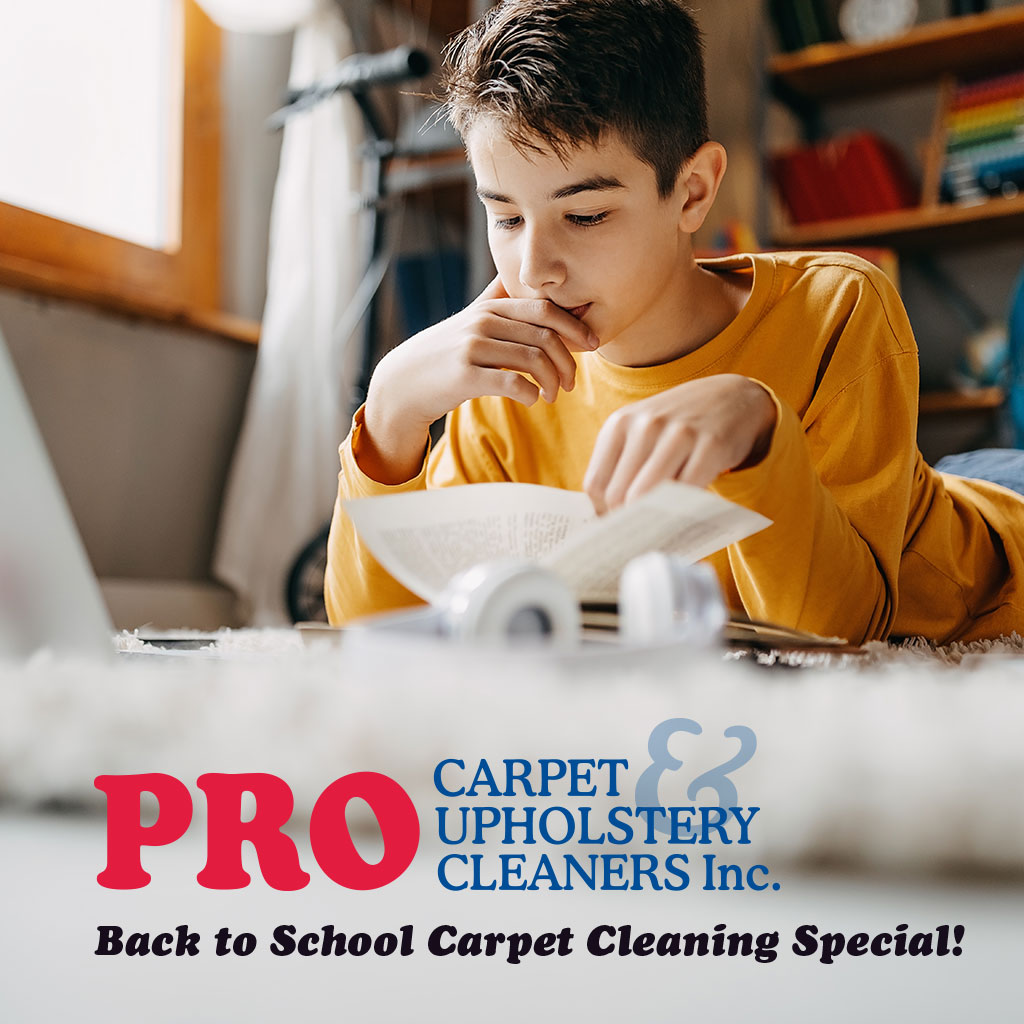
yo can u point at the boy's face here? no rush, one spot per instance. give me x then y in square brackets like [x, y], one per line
[590, 234]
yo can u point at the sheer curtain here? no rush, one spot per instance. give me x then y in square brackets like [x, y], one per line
[283, 478]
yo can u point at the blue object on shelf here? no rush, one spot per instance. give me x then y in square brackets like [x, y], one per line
[961, 7]
[431, 287]
[1015, 339]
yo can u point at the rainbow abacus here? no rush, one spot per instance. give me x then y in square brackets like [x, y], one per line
[985, 140]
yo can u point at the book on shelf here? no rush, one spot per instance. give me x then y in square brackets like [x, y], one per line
[802, 23]
[787, 28]
[807, 21]
[959, 8]
[798, 177]
[852, 175]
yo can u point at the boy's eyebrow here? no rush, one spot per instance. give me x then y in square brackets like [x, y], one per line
[597, 183]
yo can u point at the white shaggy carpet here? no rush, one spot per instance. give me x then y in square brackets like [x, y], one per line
[899, 759]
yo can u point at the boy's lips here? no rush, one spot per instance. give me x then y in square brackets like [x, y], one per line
[578, 311]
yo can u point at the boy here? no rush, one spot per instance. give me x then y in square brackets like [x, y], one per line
[604, 357]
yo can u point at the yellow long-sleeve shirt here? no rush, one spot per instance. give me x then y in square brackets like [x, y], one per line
[867, 540]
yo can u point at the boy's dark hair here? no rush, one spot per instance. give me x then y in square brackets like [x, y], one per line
[563, 72]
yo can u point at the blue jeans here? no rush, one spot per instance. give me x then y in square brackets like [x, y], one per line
[999, 465]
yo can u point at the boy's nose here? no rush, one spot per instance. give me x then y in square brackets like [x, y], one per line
[539, 264]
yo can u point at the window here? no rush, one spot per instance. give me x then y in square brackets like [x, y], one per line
[110, 143]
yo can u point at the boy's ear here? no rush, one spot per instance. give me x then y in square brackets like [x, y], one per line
[699, 180]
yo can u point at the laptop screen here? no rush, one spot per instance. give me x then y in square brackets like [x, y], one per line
[49, 596]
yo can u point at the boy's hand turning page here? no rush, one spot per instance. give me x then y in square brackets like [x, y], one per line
[423, 538]
[674, 518]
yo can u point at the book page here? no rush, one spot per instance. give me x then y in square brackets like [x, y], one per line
[674, 518]
[423, 538]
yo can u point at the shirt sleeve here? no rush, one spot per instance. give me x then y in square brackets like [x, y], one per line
[837, 488]
[355, 584]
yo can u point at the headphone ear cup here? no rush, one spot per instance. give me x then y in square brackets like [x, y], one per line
[510, 601]
[663, 599]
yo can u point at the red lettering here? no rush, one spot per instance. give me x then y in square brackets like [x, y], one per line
[126, 835]
[278, 857]
[332, 844]
[225, 832]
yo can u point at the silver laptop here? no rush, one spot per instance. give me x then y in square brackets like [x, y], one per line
[49, 595]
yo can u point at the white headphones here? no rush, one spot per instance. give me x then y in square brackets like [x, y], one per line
[492, 602]
[662, 599]
[510, 600]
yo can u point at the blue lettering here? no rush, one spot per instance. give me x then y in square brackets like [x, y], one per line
[437, 777]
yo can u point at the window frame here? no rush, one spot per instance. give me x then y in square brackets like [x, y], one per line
[53, 257]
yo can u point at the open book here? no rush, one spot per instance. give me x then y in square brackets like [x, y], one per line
[423, 538]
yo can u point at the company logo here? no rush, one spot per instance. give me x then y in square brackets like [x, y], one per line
[541, 822]
[329, 837]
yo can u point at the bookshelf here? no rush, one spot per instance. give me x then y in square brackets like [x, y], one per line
[940, 403]
[925, 227]
[929, 54]
[958, 46]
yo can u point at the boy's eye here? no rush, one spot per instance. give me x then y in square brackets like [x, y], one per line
[586, 220]
[507, 223]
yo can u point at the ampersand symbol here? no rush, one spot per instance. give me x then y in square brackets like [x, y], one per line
[661, 761]
[715, 778]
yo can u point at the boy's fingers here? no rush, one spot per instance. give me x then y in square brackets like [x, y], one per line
[542, 313]
[637, 449]
[607, 448]
[491, 353]
[542, 338]
[703, 465]
[505, 384]
[575, 332]
[666, 462]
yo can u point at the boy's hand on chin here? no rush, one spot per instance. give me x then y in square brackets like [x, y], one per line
[466, 356]
[693, 432]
